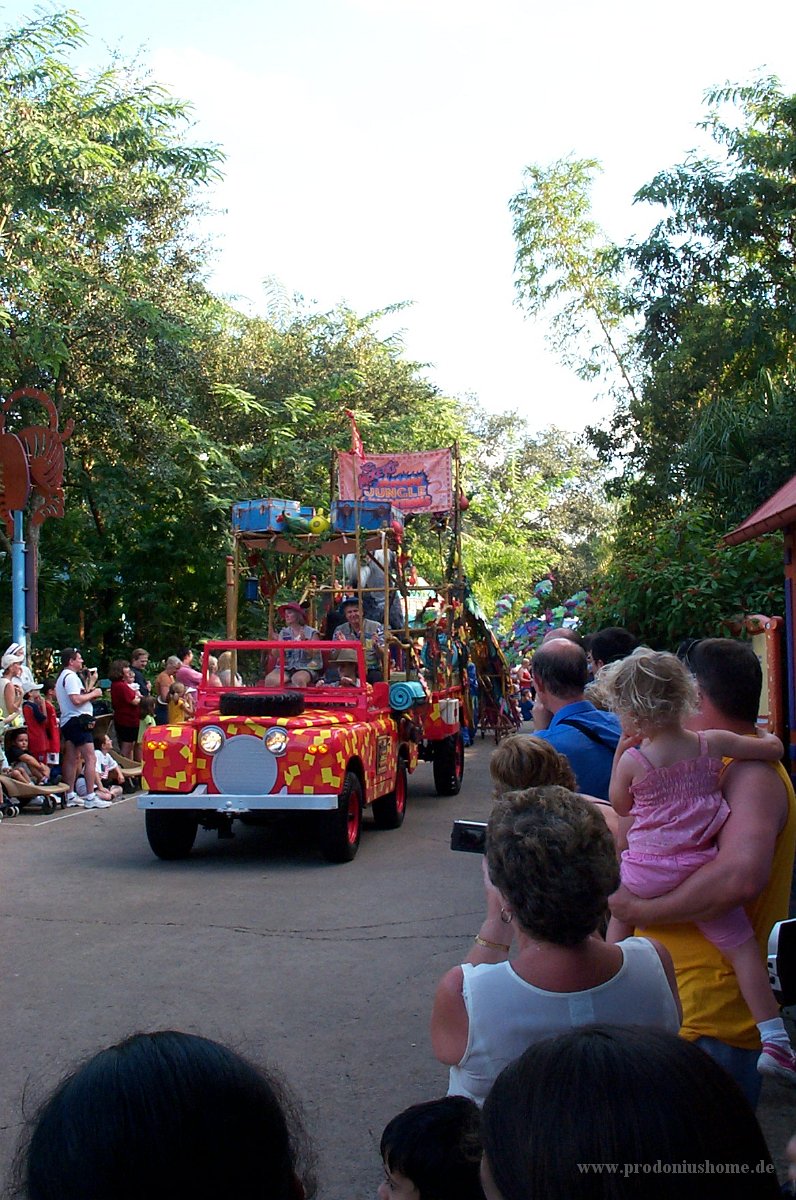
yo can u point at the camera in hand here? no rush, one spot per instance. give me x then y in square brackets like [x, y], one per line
[469, 836]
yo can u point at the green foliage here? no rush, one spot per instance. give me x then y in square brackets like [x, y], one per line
[183, 405]
[715, 288]
[673, 580]
[566, 267]
[95, 193]
[701, 320]
[537, 506]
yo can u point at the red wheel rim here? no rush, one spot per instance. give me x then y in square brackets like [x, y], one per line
[354, 817]
[458, 761]
[400, 792]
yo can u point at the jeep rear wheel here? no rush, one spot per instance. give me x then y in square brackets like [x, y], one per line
[389, 811]
[449, 765]
[341, 829]
[171, 834]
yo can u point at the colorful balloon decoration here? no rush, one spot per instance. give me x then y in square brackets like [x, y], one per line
[534, 621]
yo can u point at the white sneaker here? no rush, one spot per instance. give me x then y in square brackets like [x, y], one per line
[73, 800]
[779, 1062]
[92, 801]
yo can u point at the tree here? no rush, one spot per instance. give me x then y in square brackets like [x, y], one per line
[703, 313]
[537, 507]
[716, 292]
[181, 404]
[673, 580]
[101, 296]
[565, 266]
[95, 200]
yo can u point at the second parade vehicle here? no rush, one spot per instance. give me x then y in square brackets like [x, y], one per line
[333, 749]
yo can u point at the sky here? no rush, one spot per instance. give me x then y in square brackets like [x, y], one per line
[372, 147]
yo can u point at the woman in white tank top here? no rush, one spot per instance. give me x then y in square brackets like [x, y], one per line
[549, 869]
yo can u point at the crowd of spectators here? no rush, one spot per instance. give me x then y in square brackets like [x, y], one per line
[568, 1050]
[56, 735]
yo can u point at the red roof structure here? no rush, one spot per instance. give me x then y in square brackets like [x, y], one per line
[777, 512]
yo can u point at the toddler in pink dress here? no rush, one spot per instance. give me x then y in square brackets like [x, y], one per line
[671, 786]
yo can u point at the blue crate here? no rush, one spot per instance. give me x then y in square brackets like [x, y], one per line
[263, 516]
[369, 514]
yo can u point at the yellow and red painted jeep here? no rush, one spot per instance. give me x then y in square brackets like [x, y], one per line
[253, 748]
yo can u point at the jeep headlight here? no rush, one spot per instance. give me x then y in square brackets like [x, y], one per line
[276, 741]
[211, 739]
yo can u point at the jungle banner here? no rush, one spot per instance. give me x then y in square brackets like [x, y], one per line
[412, 482]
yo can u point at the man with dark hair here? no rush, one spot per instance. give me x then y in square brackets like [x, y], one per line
[729, 673]
[585, 735]
[754, 867]
[75, 706]
[609, 645]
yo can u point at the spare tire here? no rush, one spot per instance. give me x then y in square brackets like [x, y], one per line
[281, 704]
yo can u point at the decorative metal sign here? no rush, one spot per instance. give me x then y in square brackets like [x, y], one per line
[32, 461]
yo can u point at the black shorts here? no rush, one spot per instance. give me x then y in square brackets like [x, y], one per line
[74, 731]
[126, 733]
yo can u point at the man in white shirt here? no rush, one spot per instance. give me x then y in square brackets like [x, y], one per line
[75, 714]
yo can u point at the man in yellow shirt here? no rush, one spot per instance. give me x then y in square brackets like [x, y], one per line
[754, 867]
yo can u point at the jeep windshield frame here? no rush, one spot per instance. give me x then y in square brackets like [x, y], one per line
[250, 662]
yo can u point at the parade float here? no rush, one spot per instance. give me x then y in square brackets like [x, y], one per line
[260, 747]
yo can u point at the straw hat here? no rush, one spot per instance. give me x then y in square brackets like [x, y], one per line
[345, 655]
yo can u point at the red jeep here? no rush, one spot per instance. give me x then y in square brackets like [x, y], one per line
[254, 750]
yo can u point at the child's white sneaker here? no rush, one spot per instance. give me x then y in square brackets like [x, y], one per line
[92, 800]
[778, 1062]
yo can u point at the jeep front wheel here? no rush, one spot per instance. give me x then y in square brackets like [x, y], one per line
[341, 829]
[171, 834]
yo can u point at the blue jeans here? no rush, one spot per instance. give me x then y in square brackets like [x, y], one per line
[741, 1064]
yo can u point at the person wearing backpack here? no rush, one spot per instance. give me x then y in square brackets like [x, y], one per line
[563, 716]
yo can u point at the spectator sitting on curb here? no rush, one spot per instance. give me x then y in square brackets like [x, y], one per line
[160, 1100]
[110, 780]
[18, 756]
[674, 1123]
[432, 1151]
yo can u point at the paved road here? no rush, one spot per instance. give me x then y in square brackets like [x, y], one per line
[325, 971]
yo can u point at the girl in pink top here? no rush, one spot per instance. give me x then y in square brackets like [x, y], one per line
[668, 779]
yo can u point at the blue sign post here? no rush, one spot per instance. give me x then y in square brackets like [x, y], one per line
[18, 581]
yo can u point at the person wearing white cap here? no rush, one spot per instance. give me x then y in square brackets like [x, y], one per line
[44, 740]
[12, 694]
[76, 719]
[17, 653]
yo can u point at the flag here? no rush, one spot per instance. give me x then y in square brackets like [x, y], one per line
[356, 441]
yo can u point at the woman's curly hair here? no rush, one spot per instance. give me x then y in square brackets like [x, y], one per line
[551, 855]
